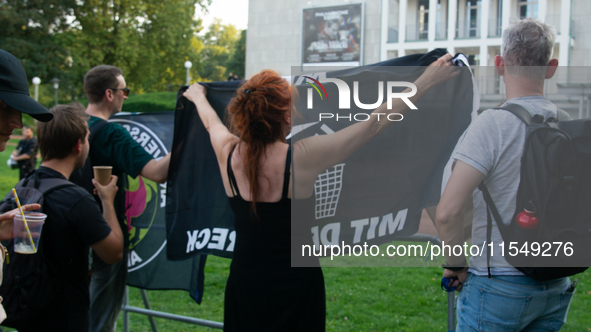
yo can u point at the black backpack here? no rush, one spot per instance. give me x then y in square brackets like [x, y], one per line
[27, 288]
[84, 175]
[555, 182]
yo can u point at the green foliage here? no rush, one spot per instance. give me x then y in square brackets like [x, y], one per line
[27, 31]
[150, 102]
[149, 40]
[237, 62]
[218, 54]
[147, 102]
[30, 31]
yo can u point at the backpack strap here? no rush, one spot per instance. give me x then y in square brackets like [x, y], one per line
[49, 185]
[519, 112]
[45, 186]
[528, 119]
[490, 208]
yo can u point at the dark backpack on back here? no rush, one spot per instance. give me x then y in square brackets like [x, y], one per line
[556, 179]
[83, 176]
[28, 289]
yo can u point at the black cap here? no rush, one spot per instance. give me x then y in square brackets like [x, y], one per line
[14, 88]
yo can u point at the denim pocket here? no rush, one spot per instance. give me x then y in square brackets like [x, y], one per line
[560, 317]
[501, 312]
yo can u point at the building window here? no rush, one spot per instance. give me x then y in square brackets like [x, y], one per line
[423, 19]
[495, 18]
[419, 29]
[528, 8]
[468, 23]
[473, 18]
[393, 13]
[441, 23]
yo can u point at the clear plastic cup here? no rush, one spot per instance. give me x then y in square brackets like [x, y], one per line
[22, 243]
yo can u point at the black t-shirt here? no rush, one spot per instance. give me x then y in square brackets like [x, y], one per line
[29, 147]
[74, 222]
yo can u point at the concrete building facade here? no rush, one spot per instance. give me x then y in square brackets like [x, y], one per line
[394, 28]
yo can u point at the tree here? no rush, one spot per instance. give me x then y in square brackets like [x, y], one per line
[28, 31]
[218, 45]
[237, 62]
[148, 39]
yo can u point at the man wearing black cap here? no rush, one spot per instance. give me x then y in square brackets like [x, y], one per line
[14, 89]
[14, 100]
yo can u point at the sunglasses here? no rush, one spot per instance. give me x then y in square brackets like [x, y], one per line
[125, 91]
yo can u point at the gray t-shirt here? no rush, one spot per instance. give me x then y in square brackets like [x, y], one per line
[493, 145]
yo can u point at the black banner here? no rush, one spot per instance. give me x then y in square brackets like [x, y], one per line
[376, 195]
[198, 214]
[145, 209]
[199, 218]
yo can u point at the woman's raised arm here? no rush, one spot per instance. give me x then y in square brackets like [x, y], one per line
[315, 154]
[220, 135]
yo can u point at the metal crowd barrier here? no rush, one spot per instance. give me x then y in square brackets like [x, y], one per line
[126, 308]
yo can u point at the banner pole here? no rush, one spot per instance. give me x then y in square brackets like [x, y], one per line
[451, 311]
[147, 305]
[125, 312]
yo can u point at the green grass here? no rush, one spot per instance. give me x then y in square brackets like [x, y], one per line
[357, 298]
[8, 176]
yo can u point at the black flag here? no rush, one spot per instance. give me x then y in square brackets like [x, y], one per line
[199, 219]
[145, 209]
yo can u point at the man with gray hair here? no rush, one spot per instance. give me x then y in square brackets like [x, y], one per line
[495, 296]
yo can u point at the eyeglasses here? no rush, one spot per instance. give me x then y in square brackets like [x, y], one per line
[125, 91]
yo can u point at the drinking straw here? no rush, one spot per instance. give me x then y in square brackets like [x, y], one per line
[23, 216]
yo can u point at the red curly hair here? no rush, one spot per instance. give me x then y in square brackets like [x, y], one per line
[257, 116]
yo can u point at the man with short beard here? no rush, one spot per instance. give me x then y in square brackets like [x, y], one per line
[112, 145]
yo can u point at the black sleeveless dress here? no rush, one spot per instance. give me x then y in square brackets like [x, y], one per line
[264, 293]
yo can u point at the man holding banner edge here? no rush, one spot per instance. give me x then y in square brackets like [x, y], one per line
[112, 145]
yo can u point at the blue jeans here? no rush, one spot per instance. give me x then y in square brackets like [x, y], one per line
[512, 303]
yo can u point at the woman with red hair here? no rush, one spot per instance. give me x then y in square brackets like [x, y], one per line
[263, 292]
